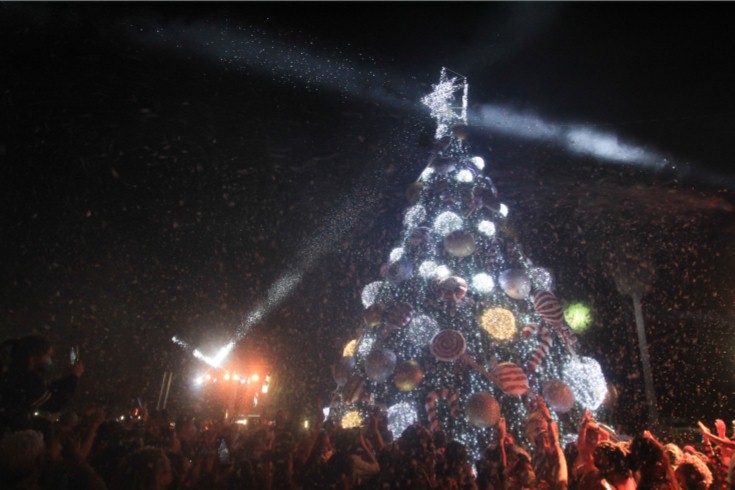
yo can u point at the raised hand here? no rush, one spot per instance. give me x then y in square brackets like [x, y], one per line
[721, 428]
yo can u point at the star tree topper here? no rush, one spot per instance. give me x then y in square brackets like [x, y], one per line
[448, 102]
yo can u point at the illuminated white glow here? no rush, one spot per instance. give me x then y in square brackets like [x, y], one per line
[326, 411]
[487, 228]
[483, 283]
[400, 416]
[503, 210]
[217, 359]
[370, 293]
[415, 215]
[478, 162]
[199, 380]
[442, 272]
[366, 345]
[426, 173]
[584, 376]
[541, 278]
[422, 329]
[427, 269]
[447, 222]
[464, 175]
[588, 141]
[396, 254]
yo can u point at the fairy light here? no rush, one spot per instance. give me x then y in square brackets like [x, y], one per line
[351, 419]
[370, 293]
[465, 175]
[366, 344]
[499, 323]
[487, 228]
[415, 215]
[400, 416]
[483, 283]
[447, 222]
[584, 376]
[350, 348]
[396, 254]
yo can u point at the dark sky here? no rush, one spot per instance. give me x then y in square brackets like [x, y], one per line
[164, 165]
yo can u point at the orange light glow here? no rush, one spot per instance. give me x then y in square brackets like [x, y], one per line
[255, 377]
[227, 376]
[236, 377]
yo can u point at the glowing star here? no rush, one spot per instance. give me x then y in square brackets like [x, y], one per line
[584, 376]
[400, 416]
[483, 283]
[446, 104]
[370, 293]
[447, 222]
[396, 254]
[499, 323]
[487, 228]
[351, 419]
[464, 176]
[478, 162]
[578, 316]
[350, 349]
[503, 210]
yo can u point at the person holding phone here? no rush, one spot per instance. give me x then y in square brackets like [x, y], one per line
[23, 390]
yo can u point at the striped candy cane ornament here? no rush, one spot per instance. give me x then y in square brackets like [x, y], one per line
[430, 405]
[545, 341]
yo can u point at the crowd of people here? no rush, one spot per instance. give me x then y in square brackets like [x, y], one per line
[155, 451]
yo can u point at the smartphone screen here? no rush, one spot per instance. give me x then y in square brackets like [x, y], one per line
[223, 452]
[73, 355]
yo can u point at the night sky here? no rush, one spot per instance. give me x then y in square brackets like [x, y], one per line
[164, 165]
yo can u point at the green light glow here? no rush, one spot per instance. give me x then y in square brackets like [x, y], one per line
[578, 316]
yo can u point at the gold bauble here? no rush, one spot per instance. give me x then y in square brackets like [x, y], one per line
[350, 348]
[499, 323]
[408, 375]
[351, 420]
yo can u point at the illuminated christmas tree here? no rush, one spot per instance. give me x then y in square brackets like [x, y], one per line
[461, 327]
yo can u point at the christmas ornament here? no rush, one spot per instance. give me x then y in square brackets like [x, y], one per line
[370, 293]
[351, 420]
[584, 376]
[430, 405]
[419, 237]
[399, 315]
[545, 341]
[499, 323]
[515, 283]
[483, 283]
[352, 390]
[482, 410]
[442, 165]
[541, 279]
[549, 308]
[414, 192]
[447, 222]
[400, 416]
[578, 316]
[408, 375]
[350, 348]
[374, 315]
[415, 215]
[379, 364]
[399, 271]
[558, 396]
[452, 289]
[511, 378]
[448, 345]
[342, 370]
[460, 243]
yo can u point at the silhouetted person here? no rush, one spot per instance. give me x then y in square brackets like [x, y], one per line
[23, 390]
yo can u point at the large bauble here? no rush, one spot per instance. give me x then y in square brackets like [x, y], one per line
[419, 237]
[379, 364]
[399, 271]
[482, 410]
[451, 289]
[460, 243]
[558, 396]
[511, 378]
[398, 315]
[342, 370]
[408, 375]
[515, 283]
